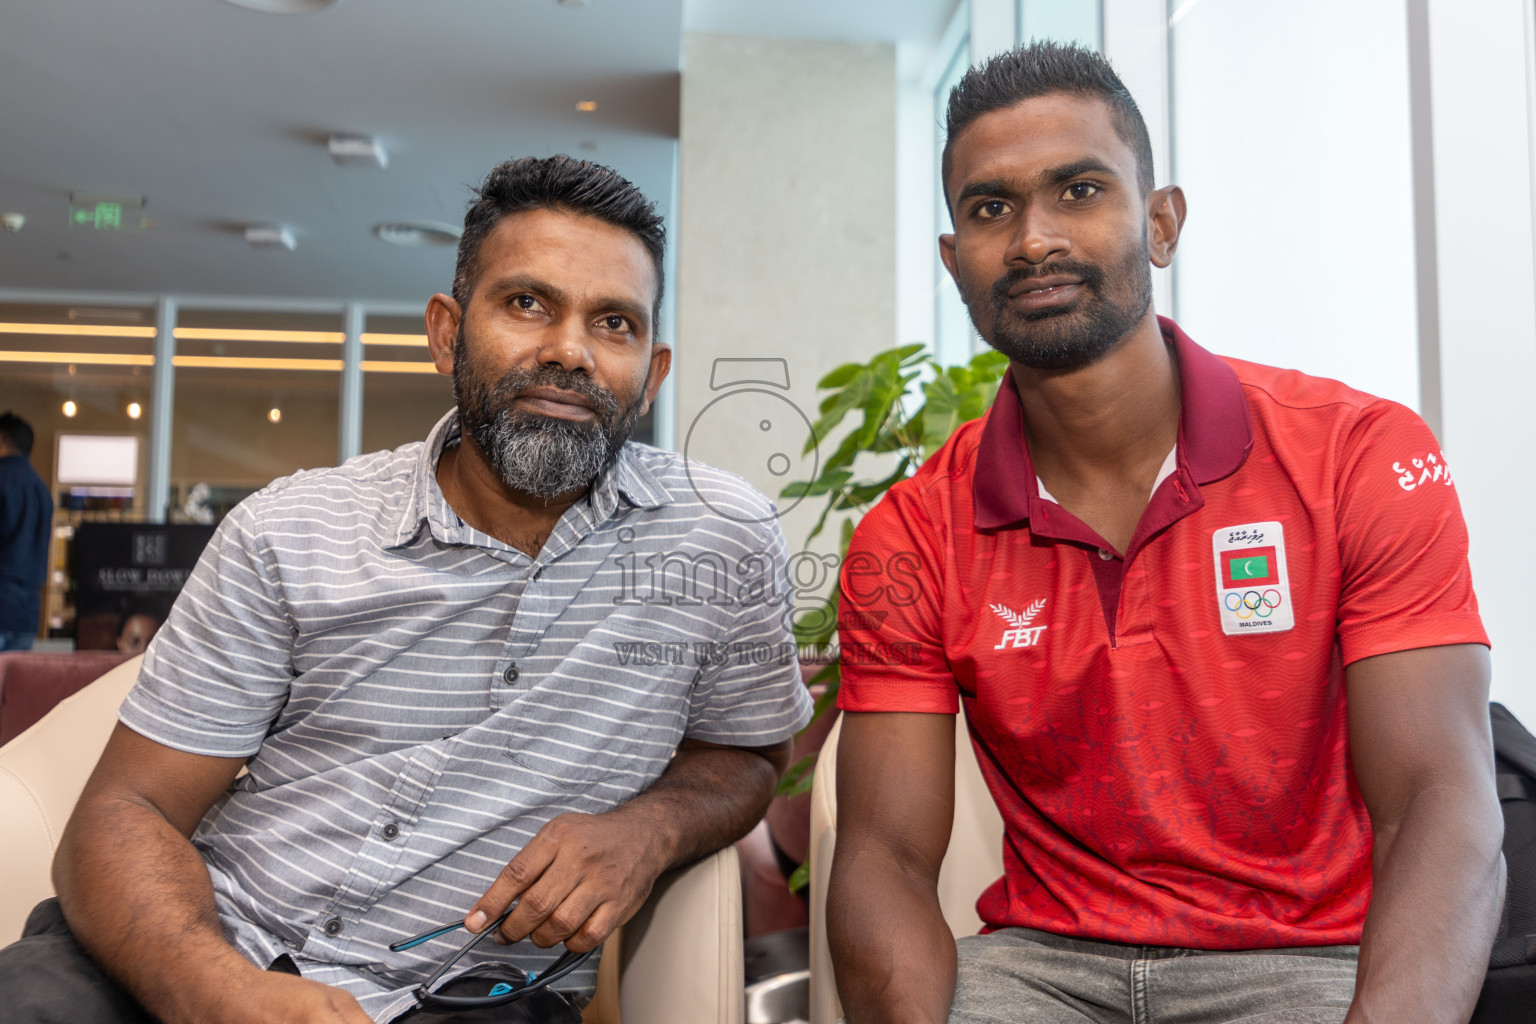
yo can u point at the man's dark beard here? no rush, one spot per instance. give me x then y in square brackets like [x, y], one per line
[1065, 337]
[544, 456]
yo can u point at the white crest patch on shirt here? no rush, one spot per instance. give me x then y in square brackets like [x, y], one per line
[1253, 590]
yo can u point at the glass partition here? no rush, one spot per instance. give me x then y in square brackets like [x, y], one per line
[1063, 21]
[1293, 147]
[403, 394]
[257, 397]
[955, 340]
[81, 378]
[81, 370]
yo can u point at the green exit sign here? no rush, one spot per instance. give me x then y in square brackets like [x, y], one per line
[107, 214]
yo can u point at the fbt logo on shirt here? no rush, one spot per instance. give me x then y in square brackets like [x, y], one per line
[1020, 632]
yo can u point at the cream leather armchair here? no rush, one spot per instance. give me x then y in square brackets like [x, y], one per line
[678, 961]
[973, 862]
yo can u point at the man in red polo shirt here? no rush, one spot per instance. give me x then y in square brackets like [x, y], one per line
[1211, 624]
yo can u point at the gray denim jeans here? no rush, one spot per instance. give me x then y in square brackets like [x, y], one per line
[1022, 976]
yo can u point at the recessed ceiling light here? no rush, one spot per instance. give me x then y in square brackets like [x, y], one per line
[417, 232]
[70, 408]
[269, 236]
[284, 6]
[135, 410]
[357, 149]
[274, 415]
[587, 106]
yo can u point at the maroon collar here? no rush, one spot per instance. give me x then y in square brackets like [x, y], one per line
[1215, 434]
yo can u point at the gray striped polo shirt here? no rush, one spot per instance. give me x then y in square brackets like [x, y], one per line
[416, 699]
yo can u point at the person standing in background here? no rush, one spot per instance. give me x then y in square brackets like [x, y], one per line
[26, 512]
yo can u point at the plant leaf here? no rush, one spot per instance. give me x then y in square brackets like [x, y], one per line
[801, 770]
[826, 482]
[815, 627]
[840, 376]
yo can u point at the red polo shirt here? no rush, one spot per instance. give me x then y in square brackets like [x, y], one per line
[1165, 732]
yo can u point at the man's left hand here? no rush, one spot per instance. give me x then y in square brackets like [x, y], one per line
[581, 877]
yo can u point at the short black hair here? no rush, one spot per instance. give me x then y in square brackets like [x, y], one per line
[1040, 69]
[16, 432]
[558, 183]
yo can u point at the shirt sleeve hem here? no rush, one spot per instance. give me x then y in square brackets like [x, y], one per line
[200, 740]
[923, 699]
[1396, 635]
[719, 731]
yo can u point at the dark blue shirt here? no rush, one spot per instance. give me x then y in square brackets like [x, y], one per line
[26, 512]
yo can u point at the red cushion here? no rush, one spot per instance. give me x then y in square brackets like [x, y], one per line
[32, 682]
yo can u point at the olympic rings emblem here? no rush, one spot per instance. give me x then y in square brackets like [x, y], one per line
[1246, 606]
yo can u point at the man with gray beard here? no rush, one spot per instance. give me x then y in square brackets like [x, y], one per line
[424, 658]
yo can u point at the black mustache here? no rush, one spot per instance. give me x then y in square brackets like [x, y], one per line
[518, 382]
[1090, 275]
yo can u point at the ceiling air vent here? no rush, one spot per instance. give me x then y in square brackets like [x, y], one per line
[284, 6]
[417, 232]
[269, 236]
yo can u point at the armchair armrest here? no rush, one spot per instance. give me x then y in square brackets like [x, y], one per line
[42, 772]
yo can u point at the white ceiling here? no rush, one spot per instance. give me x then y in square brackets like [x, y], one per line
[219, 114]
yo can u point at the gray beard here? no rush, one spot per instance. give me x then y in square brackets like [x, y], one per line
[543, 456]
[547, 457]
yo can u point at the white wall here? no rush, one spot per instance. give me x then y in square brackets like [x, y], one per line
[786, 237]
[1487, 300]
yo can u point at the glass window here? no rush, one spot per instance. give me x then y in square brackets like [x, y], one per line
[80, 370]
[403, 394]
[1293, 147]
[257, 397]
[1063, 21]
[954, 337]
[73, 371]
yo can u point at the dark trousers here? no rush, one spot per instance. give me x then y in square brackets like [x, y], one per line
[48, 978]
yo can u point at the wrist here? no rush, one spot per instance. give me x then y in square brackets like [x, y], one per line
[654, 837]
[222, 988]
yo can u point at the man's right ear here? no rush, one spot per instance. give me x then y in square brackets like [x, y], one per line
[443, 314]
[947, 255]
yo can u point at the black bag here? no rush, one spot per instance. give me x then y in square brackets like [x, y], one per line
[1509, 991]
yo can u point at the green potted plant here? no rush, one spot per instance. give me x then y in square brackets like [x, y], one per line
[895, 438]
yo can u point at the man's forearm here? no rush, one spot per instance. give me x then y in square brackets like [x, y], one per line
[708, 798]
[893, 951]
[1437, 891]
[138, 897]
